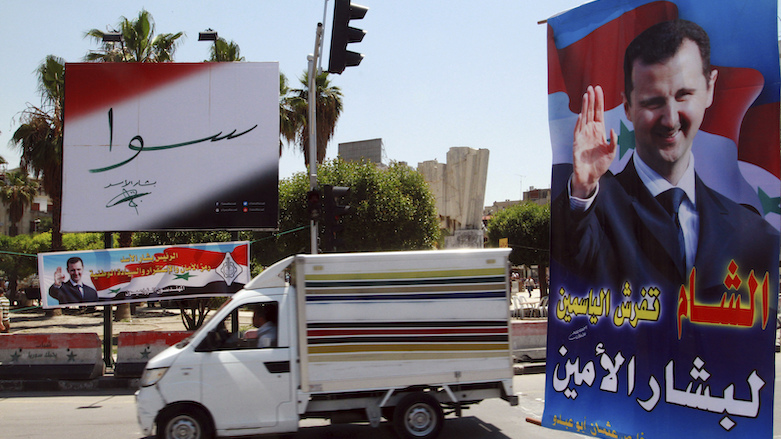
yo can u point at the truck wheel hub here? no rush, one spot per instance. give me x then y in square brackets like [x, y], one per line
[184, 428]
[419, 419]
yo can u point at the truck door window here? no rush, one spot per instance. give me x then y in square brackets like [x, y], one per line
[248, 327]
[264, 322]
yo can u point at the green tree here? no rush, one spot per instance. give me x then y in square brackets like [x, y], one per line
[17, 254]
[39, 137]
[289, 119]
[17, 192]
[527, 227]
[224, 51]
[392, 209]
[16, 262]
[138, 43]
[328, 102]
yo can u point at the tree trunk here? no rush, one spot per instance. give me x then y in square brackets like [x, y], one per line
[123, 309]
[122, 312]
[543, 279]
[56, 219]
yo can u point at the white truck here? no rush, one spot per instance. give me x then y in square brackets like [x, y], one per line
[406, 336]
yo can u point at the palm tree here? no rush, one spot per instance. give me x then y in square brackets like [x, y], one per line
[17, 192]
[223, 51]
[138, 43]
[295, 108]
[40, 138]
[289, 120]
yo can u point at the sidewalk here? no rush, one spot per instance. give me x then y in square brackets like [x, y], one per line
[74, 320]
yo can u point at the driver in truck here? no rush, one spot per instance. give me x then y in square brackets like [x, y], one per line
[264, 318]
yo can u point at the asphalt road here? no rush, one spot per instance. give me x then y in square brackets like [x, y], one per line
[111, 413]
[102, 414]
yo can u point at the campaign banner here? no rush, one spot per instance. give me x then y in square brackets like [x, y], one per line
[170, 146]
[664, 122]
[142, 274]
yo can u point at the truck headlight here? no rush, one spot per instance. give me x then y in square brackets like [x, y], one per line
[152, 376]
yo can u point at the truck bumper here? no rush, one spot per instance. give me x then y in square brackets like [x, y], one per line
[149, 402]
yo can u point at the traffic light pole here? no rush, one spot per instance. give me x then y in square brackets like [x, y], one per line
[313, 127]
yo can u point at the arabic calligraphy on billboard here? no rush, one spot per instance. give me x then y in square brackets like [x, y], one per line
[162, 146]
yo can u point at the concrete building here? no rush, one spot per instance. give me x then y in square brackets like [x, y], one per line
[459, 188]
[370, 150]
[40, 208]
[538, 196]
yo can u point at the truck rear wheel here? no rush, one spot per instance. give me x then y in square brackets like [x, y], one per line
[185, 423]
[418, 416]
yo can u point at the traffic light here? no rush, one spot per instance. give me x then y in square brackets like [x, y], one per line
[342, 34]
[333, 209]
[313, 204]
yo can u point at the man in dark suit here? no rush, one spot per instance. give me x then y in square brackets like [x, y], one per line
[72, 290]
[614, 229]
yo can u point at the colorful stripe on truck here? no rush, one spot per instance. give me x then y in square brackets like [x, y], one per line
[374, 336]
[482, 283]
[380, 341]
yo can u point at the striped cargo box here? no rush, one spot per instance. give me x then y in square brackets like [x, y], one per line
[387, 320]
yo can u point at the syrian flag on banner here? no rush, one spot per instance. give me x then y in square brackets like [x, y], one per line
[178, 271]
[737, 149]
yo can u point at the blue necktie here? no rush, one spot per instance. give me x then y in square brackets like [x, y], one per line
[81, 290]
[671, 200]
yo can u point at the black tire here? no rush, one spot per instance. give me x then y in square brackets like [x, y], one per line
[387, 413]
[418, 416]
[185, 423]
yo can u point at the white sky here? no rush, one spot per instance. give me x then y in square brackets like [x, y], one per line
[436, 74]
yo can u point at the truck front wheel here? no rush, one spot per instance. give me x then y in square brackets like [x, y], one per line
[185, 423]
[418, 416]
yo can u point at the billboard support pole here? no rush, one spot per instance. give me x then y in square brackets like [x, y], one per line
[108, 330]
[312, 125]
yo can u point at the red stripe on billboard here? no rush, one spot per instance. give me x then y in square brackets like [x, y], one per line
[93, 86]
[173, 256]
[736, 89]
[555, 77]
[759, 138]
[592, 60]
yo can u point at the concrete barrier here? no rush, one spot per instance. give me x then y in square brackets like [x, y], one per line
[529, 338]
[50, 356]
[134, 349]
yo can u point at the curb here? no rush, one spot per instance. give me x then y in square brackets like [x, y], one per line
[102, 383]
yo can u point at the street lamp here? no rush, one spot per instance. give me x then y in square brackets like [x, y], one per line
[207, 35]
[115, 37]
[112, 37]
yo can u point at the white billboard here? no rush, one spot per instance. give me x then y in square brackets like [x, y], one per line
[170, 146]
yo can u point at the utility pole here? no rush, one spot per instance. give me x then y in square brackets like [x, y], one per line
[312, 125]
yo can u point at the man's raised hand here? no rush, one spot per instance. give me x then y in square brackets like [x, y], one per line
[592, 153]
[58, 276]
